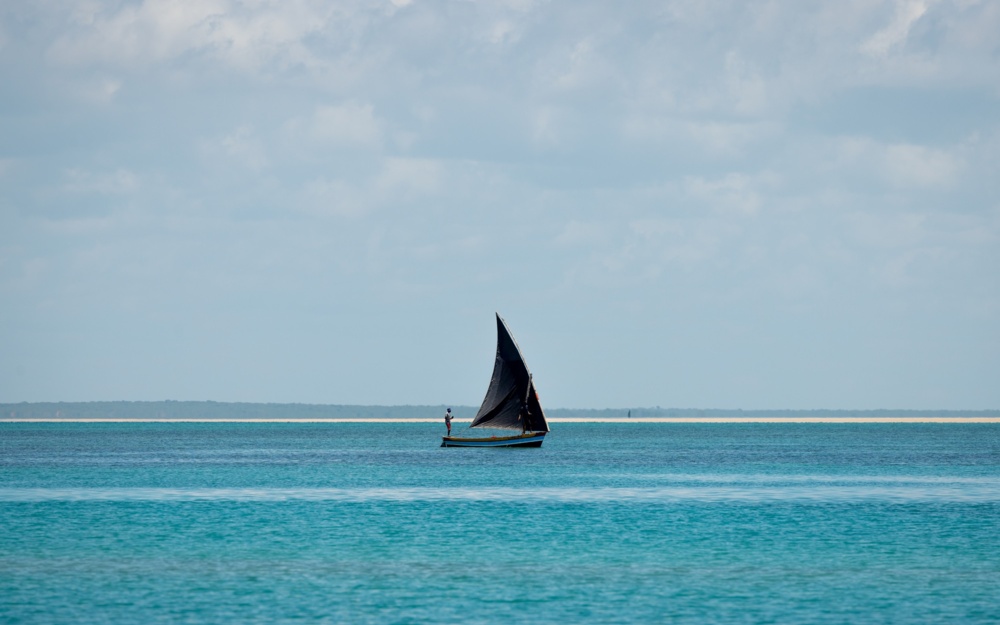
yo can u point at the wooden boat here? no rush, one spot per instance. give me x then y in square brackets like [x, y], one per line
[511, 402]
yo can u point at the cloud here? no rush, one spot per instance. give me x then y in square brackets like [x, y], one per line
[349, 127]
[397, 182]
[241, 146]
[578, 233]
[712, 138]
[118, 182]
[248, 36]
[152, 30]
[328, 198]
[892, 230]
[909, 165]
[767, 156]
[736, 193]
[351, 123]
[941, 253]
[644, 252]
[93, 89]
[895, 33]
[900, 165]
[408, 177]
[581, 66]
[545, 126]
[746, 87]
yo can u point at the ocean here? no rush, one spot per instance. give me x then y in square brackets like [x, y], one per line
[606, 523]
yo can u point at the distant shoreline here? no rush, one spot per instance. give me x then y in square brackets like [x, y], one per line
[622, 421]
[239, 412]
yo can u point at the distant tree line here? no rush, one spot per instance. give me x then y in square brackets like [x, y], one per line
[209, 410]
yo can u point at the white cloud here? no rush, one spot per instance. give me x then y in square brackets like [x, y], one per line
[900, 165]
[397, 181]
[118, 182]
[502, 31]
[152, 30]
[332, 198]
[242, 146]
[893, 230]
[665, 152]
[102, 91]
[895, 33]
[244, 35]
[351, 123]
[909, 165]
[579, 233]
[654, 246]
[737, 193]
[582, 65]
[544, 126]
[715, 139]
[409, 176]
[643, 251]
[747, 88]
[727, 138]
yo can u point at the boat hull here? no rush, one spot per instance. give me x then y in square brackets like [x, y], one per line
[533, 439]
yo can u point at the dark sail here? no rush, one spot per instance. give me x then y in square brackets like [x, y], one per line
[511, 402]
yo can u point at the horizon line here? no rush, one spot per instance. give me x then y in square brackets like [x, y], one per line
[625, 420]
[473, 407]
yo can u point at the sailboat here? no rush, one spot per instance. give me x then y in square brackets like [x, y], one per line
[511, 402]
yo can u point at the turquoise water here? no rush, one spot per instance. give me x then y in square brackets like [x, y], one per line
[688, 523]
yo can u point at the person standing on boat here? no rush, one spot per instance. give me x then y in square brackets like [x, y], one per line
[447, 420]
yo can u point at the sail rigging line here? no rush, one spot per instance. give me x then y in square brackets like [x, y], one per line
[525, 409]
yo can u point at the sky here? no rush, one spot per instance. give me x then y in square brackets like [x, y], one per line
[713, 204]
